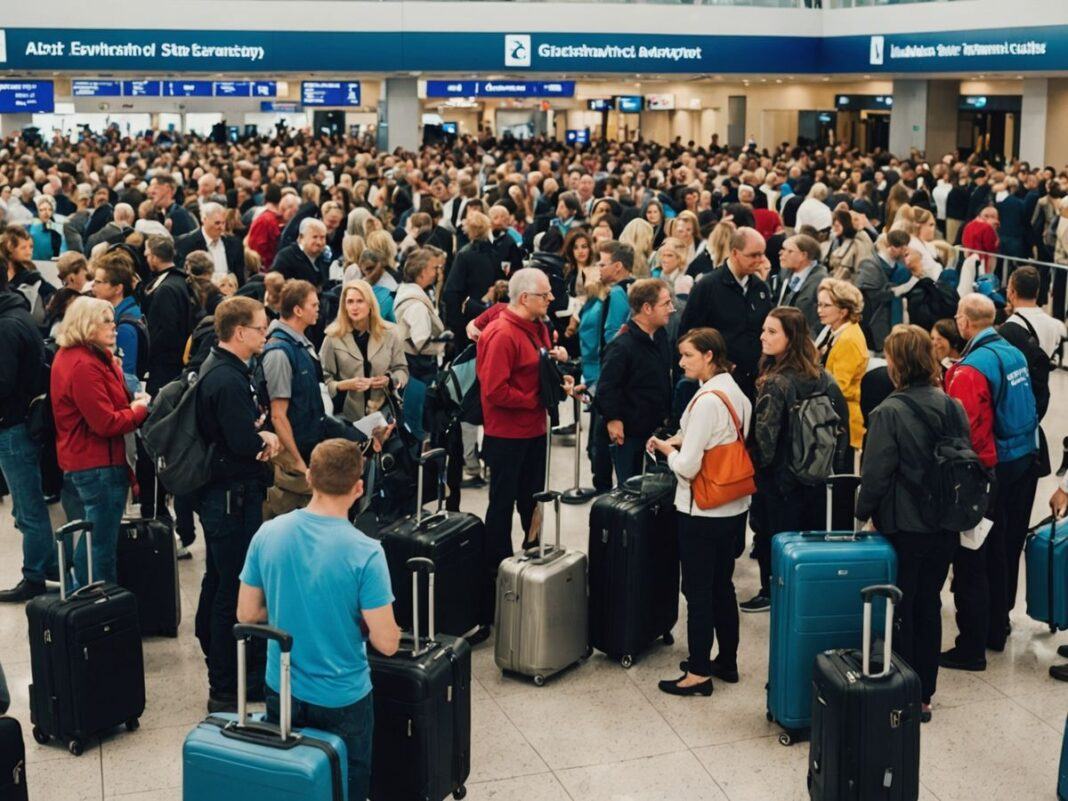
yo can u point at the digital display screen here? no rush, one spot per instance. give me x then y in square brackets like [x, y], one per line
[330, 93]
[20, 97]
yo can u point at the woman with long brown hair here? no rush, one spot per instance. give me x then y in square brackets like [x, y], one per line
[789, 369]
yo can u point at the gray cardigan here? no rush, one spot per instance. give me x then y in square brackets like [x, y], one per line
[899, 444]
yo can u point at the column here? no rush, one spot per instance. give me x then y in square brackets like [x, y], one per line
[1033, 121]
[13, 123]
[399, 109]
[943, 100]
[908, 120]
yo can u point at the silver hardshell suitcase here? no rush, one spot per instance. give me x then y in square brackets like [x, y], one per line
[542, 604]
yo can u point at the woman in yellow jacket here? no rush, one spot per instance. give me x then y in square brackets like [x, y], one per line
[842, 346]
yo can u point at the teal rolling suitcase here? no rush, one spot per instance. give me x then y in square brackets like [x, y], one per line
[1046, 553]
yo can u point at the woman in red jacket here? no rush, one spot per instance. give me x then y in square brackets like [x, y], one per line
[93, 412]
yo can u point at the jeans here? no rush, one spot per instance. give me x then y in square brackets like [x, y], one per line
[354, 724]
[706, 553]
[101, 492]
[922, 566]
[230, 514]
[627, 458]
[20, 464]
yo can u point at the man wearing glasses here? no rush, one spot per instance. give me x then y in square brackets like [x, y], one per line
[735, 300]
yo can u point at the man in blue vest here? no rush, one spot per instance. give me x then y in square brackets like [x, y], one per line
[993, 384]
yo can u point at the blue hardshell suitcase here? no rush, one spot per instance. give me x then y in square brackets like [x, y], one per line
[1062, 778]
[231, 757]
[816, 583]
[1046, 553]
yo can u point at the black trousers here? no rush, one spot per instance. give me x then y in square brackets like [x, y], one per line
[1018, 484]
[517, 472]
[800, 508]
[707, 547]
[598, 447]
[922, 566]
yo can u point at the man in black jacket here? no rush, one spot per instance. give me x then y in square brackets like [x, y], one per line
[178, 219]
[634, 390]
[114, 231]
[474, 271]
[168, 307]
[734, 300]
[230, 416]
[304, 260]
[226, 251]
[22, 378]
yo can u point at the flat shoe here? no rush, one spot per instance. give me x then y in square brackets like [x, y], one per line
[671, 687]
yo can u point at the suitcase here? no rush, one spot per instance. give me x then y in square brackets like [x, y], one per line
[1046, 552]
[633, 567]
[1062, 780]
[865, 727]
[232, 756]
[147, 557]
[542, 603]
[816, 579]
[453, 541]
[12, 761]
[86, 663]
[422, 739]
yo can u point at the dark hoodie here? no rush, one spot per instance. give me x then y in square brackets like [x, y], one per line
[21, 359]
[37, 291]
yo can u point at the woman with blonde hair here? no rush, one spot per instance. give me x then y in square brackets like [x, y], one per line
[93, 412]
[842, 346]
[361, 354]
[670, 262]
[919, 224]
[687, 229]
[352, 247]
[719, 243]
[639, 235]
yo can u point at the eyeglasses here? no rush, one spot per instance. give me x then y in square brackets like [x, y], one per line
[261, 328]
[539, 294]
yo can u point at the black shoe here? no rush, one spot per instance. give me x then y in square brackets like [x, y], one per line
[758, 603]
[671, 687]
[1064, 459]
[925, 713]
[23, 591]
[473, 483]
[953, 660]
[564, 431]
[222, 702]
[481, 634]
[1063, 651]
[1059, 672]
[729, 675]
[996, 647]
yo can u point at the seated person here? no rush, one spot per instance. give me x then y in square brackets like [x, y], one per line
[312, 574]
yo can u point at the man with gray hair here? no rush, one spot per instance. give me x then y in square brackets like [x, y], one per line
[226, 251]
[993, 384]
[510, 353]
[304, 259]
[114, 231]
[801, 276]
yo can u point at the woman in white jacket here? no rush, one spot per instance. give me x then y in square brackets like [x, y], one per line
[709, 539]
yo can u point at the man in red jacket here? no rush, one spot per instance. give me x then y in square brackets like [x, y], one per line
[509, 374]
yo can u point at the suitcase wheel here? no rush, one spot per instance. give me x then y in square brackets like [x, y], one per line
[786, 738]
[133, 724]
[669, 639]
[627, 660]
[459, 792]
[40, 736]
[75, 747]
[539, 680]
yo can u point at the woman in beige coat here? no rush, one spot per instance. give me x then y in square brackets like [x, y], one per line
[361, 353]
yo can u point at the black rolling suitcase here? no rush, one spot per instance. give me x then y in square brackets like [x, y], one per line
[422, 697]
[634, 567]
[12, 761]
[86, 662]
[865, 742]
[453, 541]
[147, 556]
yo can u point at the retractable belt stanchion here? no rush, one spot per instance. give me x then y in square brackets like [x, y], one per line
[578, 493]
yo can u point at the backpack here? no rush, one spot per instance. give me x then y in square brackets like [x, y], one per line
[172, 437]
[955, 490]
[930, 302]
[813, 430]
[41, 425]
[1039, 364]
[140, 326]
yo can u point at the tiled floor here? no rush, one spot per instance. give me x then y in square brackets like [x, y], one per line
[598, 732]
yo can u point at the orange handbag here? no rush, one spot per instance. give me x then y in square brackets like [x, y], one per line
[726, 472]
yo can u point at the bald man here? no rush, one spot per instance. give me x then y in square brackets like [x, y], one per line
[734, 300]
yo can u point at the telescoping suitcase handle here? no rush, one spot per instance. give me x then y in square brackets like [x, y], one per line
[546, 497]
[420, 564]
[831, 480]
[61, 535]
[893, 597]
[244, 632]
[437, 454]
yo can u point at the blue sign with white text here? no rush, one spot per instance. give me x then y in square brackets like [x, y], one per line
[231, 88]
[279, 106]
[142, 88]
[500, 88]
[90, 88]
[187, 88]
[264, 88]
[577, 136]
[330, 93]
[24, 97]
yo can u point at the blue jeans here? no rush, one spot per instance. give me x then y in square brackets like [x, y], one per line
[20, 464]
[353, 724]
[101, 494]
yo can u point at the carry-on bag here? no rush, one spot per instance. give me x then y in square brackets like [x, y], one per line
[634, 567]
[816, 579]
[86, 662]
[541, 623]
[453, 541]
[865, 725]
[1046, 554]
[147, 562]
[12, 761]
[422, 739]
[228, 757]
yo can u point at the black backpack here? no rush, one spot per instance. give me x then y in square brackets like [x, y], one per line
[813, 430]
[930, 301]
[955, 490]
[1039, 364]
[140, 326]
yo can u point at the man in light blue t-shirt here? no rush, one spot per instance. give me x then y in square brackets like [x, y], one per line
[313, 575]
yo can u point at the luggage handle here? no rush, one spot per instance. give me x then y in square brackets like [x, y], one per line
[61, 535]
[546, 497]
[437, 454]
[835, 536]
[243, 632]
[893, 597]
[635, 485]
[830, 496]
[420, 564]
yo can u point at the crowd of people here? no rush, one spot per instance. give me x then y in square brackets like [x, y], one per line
[694, 299]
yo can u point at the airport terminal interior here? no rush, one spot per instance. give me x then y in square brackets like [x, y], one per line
[981, 83]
